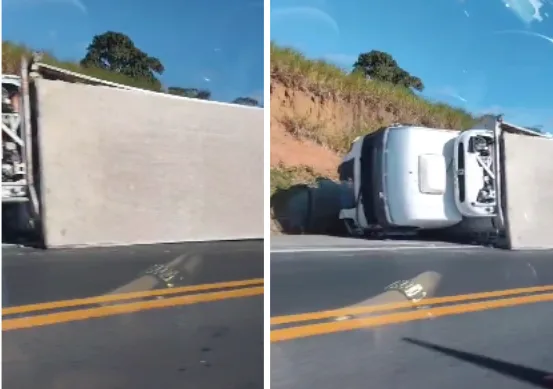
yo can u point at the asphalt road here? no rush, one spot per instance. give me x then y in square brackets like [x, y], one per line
[198, 336]
[503, 348]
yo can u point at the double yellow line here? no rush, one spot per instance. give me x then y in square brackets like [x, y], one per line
[461, 304]
[246, 288]
[125, 303]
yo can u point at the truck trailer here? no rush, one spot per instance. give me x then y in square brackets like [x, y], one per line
[88, 162]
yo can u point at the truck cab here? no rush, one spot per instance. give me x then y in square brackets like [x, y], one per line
[408, 178]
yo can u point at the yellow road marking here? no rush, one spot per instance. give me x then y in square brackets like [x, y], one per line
[405, 304]
[90, 313]
[128, 296]
[402, 317]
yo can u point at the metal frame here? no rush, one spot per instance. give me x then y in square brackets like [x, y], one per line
[17, 127]
[13, 128]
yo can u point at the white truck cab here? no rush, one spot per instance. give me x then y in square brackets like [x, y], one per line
[410, 178]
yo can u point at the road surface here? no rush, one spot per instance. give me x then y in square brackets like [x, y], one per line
[197, 322]
[507, 347]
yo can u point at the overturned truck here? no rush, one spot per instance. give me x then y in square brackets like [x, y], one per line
[87, 162]
[492, 184]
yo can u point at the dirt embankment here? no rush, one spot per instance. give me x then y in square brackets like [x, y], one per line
[317, 110]
[293, 112]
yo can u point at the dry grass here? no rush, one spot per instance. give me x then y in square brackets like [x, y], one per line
[302, 127]
[296, 72]
[13, 52]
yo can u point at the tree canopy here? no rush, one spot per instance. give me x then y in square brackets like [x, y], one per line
[246, 101]
[117, 53]
[378, 65]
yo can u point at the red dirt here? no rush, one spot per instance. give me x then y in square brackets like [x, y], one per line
[289, 150]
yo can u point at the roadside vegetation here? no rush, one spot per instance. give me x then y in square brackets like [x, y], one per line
[376, 83]
[13, 52]
[111, 56]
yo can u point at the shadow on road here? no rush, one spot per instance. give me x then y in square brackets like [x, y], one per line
[538, 378]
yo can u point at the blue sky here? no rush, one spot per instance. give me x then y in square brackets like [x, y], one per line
[211, 44]
[483, 55]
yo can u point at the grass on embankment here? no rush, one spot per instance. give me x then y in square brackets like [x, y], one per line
[283, 177]
[13, 52]
[293, 70]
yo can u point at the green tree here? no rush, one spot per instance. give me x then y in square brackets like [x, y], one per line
[116, 52]
[246, 101]
[378, 65]
[193, 93]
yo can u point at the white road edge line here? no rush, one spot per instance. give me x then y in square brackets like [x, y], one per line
[359, 249]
